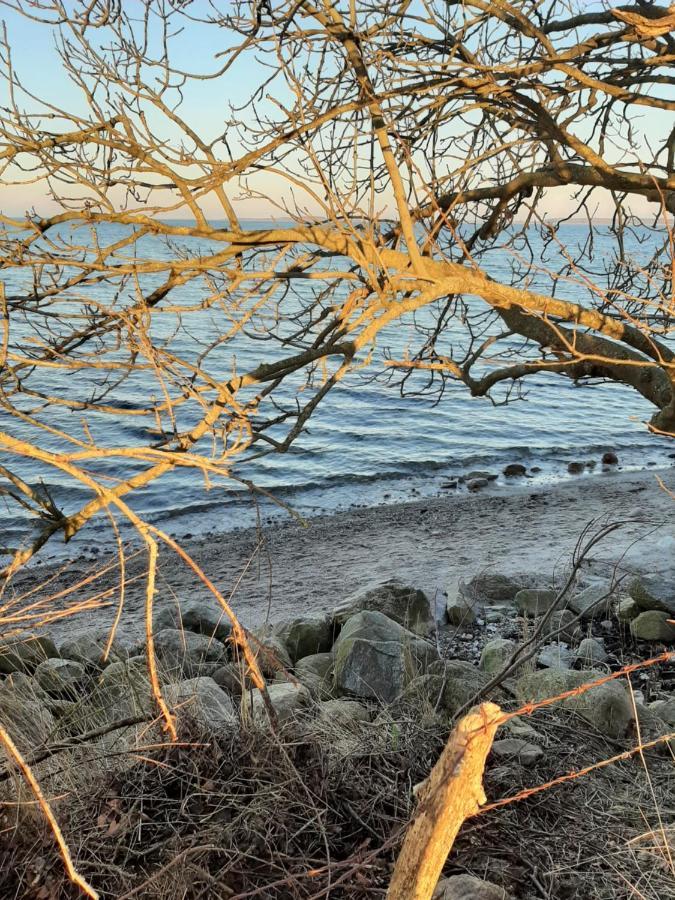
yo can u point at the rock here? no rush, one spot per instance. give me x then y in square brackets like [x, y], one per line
[406, 605]
[591, 652]
[665, 710]
[60, 677]
[89, 650]
[476, 484]
[123, 690]
[287, 701]
[422, 698]
[319, 664]
[22, 687]
[468, 887]
[610, 458]
[495, 653]
[458, 610]
[305, 635]
[533, 602]
[229, 678]
[653, 625]
[342, 712]
[654, 592]
[29, 722]
[490, 588]
[182, 653]
[519, 728]
[556, 656]
[563, 625]
[271, 653]
[201, 699]
[376, 658]
[594, 601]
[652, 727]
[518, 750]
[479, 473]
[196, 616]
[607, 707]
[461, 681]
[25, 652]
[514, 470]
[626, 610]
[575, 468]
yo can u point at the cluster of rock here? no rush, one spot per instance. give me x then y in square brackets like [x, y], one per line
[478, 479]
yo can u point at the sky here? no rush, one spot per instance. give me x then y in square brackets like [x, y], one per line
[39, 68]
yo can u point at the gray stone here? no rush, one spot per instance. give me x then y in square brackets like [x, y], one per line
[271, 653]
[476, 484]
[342, 712]
[653, 727]
[665, 710]
[654, 592]
[60, 677]
[514, 470]
[183, 652]
[653, 625]
[490, 588]
[626, 610]
[406, 605]
[481, 473]
[591, 652]
[229, 678]
[610, 458]
[196, 616]
[201, 699]
[376, 658]
[556, 656]
[29, 722]
[594, 601]
[458, 609]
[563, 625]
[287, 700]
[532, 602]
[468, 887]
[519, 728]
[89, 651]
[25, 652]
[319, 664]
[517, 750]
[123, 690]
[575, 468]
[304, 636]
[495, 654]
[461, 681]
[607, 706]
[22, 686]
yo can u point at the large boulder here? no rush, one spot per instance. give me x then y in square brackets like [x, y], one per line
[184, 653]
[60, 677]
[123, 690]
[654, 592]
[89, 650]
[653, 625]
[25, 652]
[29, 722]
[201, 699]
[287, 700]
[406, 605]
[316, 673]
[376, 657]
[468, 887]
[491, 588]
[305, 636]
[607, 706]
[271, 652]
[533, 602]
[197, 616]
[495, 654]
[593, 601]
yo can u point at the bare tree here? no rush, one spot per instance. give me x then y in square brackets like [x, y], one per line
[403, 146]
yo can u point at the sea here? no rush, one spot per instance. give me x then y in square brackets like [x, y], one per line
[367, 444]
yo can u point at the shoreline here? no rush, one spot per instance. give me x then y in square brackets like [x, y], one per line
[429, 543]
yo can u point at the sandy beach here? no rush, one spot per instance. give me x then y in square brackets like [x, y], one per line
[291, 569]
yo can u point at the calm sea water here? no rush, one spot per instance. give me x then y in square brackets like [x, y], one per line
[366, 444]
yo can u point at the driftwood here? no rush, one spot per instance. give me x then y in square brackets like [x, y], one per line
[452, 793]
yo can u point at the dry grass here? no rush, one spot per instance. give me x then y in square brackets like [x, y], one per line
[320, 812]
